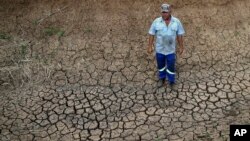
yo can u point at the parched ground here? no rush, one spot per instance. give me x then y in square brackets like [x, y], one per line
[78, 70]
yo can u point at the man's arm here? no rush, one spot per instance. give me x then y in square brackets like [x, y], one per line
[180, 43]
[150, 44]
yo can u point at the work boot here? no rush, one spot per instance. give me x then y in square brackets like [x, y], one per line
[172, 85]
[160, 83]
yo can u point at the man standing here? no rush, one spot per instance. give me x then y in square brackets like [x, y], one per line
[166, 29]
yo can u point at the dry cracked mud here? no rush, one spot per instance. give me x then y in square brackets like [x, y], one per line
[78, 70]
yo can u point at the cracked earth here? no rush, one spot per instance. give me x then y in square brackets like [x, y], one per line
[95, 81]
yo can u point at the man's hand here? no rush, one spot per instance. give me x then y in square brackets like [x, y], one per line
[180, 42]
[180, 51]
[150, 44]
[150, 49]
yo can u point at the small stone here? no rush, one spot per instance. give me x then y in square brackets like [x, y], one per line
[151, 111]
[213, 98]
[202, 86]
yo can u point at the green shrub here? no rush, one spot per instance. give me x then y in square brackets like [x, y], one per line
[24, 50]
[4, 36]
[50, 31]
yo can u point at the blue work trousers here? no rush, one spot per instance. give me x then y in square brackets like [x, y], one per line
[166, 66]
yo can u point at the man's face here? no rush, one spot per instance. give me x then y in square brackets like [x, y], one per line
[166, 15]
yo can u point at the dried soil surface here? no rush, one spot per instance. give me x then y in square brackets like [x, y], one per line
[78, 70]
